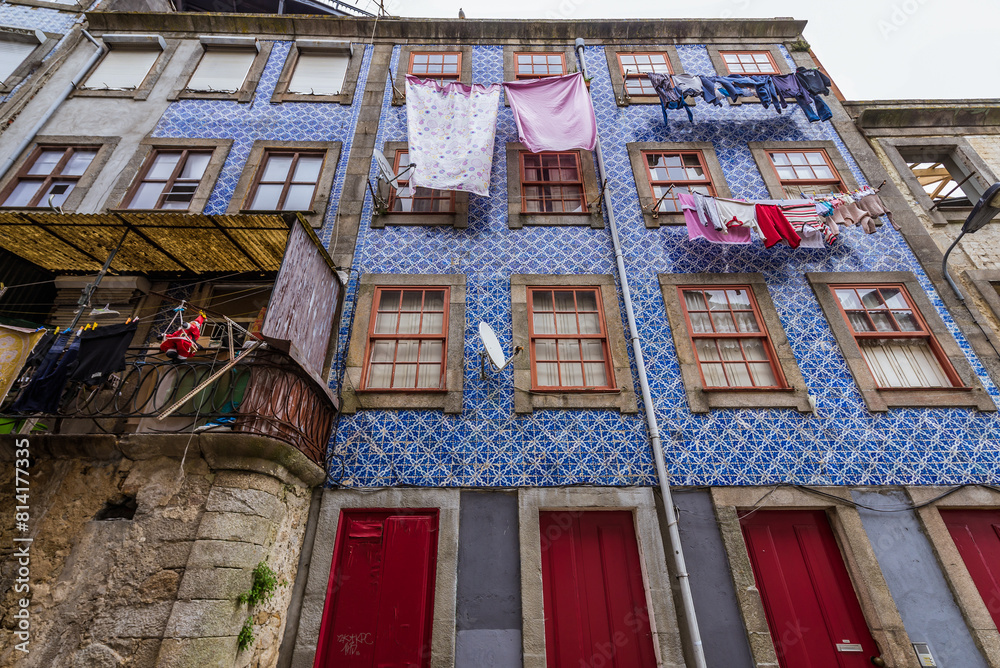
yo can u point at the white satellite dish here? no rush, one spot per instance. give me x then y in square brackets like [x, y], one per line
[386, 174]
[494, 352]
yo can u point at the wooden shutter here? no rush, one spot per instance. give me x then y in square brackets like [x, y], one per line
[123, 69]
[379, 605]
[12, 54]
[595, 602]
[319, 73]
[977, 536]
[222, 70]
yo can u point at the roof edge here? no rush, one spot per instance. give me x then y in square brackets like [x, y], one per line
[888, 114]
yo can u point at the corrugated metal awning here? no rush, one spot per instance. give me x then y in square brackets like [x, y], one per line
[157, 242]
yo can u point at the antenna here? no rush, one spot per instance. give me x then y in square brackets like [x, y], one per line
[389, 177]
[493, 352]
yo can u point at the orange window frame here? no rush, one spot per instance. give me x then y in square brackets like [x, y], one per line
[770, 61]
[448, 195]
[397, 337]
[672, 197]
[763, 335]
[533, 338]
[452, 76]
[836, 180]
[173, 179]
[584, 208]
[636, 82]
[46, 180]
[924, 333]
[533, 54]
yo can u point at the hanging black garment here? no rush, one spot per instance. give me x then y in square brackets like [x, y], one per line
[102, 352]
[43, 393]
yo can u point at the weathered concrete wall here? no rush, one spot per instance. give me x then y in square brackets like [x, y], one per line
[925, 602]
[159, 589]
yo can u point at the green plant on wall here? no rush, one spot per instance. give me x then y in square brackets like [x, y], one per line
[265, 581]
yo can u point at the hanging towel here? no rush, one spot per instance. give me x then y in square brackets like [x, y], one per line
[102, 352]
[451, 129]
[553, 113]
[695, 228]
[16, 345]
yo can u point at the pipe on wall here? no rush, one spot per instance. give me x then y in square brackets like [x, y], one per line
[673, 533]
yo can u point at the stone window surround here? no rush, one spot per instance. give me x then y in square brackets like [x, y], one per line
[509, 71]
[656, 582]
[525, 399]
[591, 190]
[715, 55]
[346, 95]
[972, 395]
[321, 198]
[246, 92]
[975, 611]
[956, 148]
[403, 66]
[702, 401]
[143, 90]
[614, 68]
[459, 219]
[877, 605]
[985, 281]
[449, 400]
[105, 147]
[333, 502]
[644, 191]
[46, 42]
[760, 150]
[220, 151]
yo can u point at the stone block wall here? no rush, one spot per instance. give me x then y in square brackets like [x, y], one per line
[159, 589]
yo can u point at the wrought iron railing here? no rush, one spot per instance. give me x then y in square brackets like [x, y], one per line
[267, 394]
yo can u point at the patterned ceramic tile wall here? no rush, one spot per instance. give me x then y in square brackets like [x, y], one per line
[488, 445]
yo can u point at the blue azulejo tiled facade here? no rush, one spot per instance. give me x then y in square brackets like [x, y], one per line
[843, 443]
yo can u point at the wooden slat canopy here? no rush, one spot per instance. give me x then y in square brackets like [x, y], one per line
[157, 243]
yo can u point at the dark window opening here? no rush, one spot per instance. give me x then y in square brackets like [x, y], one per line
[123, 509]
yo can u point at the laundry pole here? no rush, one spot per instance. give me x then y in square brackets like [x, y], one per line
[673, 533]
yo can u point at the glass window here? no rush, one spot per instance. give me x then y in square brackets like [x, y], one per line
[552, 183]
[685, 170]
[49, 176]
[729, 338]
[286, 181]
[634, 67]
[407, 339]
[443, 66]
[424, 200]
[569, 344]
[169, 179]
[538, 65]
[749, 62]
[806, 173]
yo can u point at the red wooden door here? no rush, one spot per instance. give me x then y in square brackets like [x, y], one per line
[977, 535]
[379, 604]
[595, 602]
[812, 611]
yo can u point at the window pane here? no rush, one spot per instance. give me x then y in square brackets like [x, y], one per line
[779, 159]
[547, 374]
[22, 193]
[882, 321]
[389, 300]
[730, 349]
[590, 323]
[65, 186]
[569, 350]
[299, 198]
[544, 323]
[412, 299]
[754, 349]
[434, 300]
[78, 163]
[431, 351]
[597, 375]
[564, 301]
[815, 159]
[266, 197]
[763, 375]
[723, 322]
[545, 349]
[894, 298]
[541, 300]
[694, 300]
[307, 169]
[146, 196]
[714, 375]
[572, 374]
[277, 168]
[433, 323]
[592, 350]
[379, 375]
[738, 299]
[903, 364]
[738, 374]
[405, 376]
[706, 349]
[859, 321]
[47, 161]
[848, 299]
[746, 321]
[701, 323]
[429, 376]
[163, 165]
[383, 351]
[907, 321]
[409, 323]
[406, 351]
[566, 323]
[195, 165]
[717, 300]
[586, 301]
[385, 323]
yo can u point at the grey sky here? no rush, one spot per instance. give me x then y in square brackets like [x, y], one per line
[874, 49]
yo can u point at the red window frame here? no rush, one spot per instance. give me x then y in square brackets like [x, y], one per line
[289, 179]
[636, 81]
[669, 203]
[835, 181]
[546, 185]
[397, 337]
[432, 55]
[170, 181]
[762, 335]
[729, 66]
[539, 54]
[428, 195]
[923, 333]
[534, 337]
[49, 179]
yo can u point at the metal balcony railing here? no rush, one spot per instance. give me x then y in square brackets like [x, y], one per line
[266, 394]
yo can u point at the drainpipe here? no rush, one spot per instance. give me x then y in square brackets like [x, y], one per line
[674, 536]
[30, 135]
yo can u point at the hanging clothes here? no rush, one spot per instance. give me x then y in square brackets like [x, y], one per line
[763, 86]
[670, 96]
[451, 129]
[708, 212]
[873, 205]
[712, 95]
[102, 352]
[696, 229]
[44, 393]
[775, 227]
[804, 219]
[813, 80]
[688, 84]
[788, 85]
[16, 345]
[552, 113]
